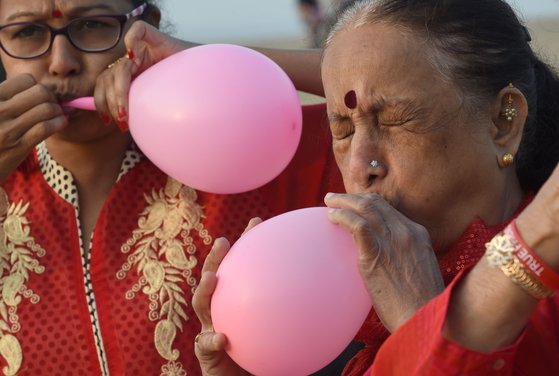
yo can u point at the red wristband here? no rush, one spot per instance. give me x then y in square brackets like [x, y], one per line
[533, 263]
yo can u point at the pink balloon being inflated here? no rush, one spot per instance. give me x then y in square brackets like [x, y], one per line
[289, 295]
[219, 118]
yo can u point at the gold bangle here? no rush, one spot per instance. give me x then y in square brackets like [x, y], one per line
[500, 253]
[516, 271]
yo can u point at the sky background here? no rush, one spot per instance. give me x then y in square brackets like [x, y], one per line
[239, 21]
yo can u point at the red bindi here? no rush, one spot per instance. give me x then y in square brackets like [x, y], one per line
[56, 13]
[350, 99]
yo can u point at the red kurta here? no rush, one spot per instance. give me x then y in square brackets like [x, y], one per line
[126, 307]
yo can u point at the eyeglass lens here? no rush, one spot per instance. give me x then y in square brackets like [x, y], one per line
[89, 34]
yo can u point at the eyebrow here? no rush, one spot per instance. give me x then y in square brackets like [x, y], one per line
[380, 104]
[335, 117]
[76, 10]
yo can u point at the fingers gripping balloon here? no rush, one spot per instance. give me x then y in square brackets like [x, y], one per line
[289, 295]
[219, 118]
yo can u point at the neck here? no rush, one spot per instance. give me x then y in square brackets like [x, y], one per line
[92, 164]
[494, 208]
[500, 207]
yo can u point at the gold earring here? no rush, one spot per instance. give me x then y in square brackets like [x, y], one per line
[507, 160]
[510, 111]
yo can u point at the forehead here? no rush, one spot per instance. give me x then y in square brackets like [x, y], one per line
[18, 10]
[376, 57]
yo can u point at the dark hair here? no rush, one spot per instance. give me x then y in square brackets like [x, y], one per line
[151, 5]
[482, 46]
[137, 3]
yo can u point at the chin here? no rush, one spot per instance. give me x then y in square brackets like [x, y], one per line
[82, 131]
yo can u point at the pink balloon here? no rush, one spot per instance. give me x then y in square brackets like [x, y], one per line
[289, 296]
[219, 118]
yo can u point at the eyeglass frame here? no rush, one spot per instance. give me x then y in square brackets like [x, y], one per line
[121, 18]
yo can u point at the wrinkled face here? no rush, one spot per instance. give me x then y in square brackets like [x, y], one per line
[436, 162]
[68, 72]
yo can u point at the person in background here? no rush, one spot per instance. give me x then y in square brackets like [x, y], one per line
[312, 16]
[100, 251]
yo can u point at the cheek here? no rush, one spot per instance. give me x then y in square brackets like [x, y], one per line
[14, 67]
[417, 147]
[416, 160]
[341, 153]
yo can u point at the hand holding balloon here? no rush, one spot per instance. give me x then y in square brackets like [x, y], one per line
[289, 295]
[396, 257]
[220, 128]
[210, 346]
[219, 118]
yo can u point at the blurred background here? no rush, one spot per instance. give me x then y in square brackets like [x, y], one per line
[303, 23]
[289, 23]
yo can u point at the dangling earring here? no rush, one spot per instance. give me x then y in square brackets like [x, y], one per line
[507, 160]
[510, 111]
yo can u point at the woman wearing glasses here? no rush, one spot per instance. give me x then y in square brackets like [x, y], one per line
[100, 251]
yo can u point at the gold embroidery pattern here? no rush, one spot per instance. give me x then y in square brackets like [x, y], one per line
[162, 250]
[17, 259]
[173, 369]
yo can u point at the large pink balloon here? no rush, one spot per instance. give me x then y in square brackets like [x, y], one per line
[219, 118]
[289, 295]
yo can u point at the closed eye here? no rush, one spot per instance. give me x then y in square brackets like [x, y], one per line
[341, 128]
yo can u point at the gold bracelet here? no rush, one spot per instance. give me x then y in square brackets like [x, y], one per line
[518, 273]
[500, 253]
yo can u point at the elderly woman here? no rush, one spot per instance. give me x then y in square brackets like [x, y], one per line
[461, 116]
[100, 251]
[444, 126]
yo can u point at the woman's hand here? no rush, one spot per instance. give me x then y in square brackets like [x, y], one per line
[29, 113]
[210, 346]
[538, 224]
[396, 258]
[146, 46]
[485, 318]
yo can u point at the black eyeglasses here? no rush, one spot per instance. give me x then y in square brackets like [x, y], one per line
[28, 40]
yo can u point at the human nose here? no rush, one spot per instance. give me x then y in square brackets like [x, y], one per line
[365, 163]
[63, 57]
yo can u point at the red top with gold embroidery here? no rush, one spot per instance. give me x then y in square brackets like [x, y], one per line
[126, 307]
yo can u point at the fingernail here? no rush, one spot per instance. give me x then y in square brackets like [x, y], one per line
[130, 53]
[328, 195]
[122, 125]
[105, 118]
[122, 114]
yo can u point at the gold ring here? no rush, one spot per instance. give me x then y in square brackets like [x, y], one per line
[199, 335]
[117, 61]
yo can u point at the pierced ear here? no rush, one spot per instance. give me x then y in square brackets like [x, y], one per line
[509, 114]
